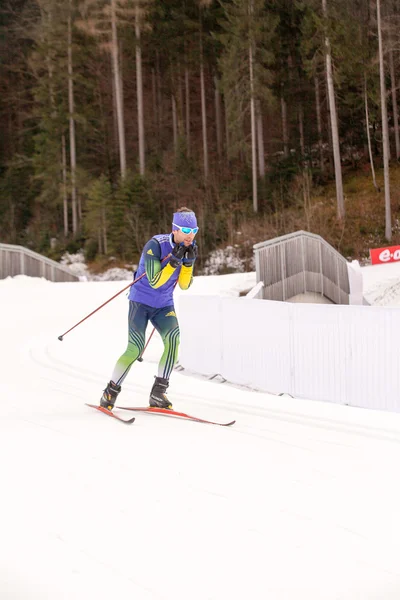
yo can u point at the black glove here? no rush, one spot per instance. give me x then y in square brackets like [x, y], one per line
[190, 255]
[177, 255]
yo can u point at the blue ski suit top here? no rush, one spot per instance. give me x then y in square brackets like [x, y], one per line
[157, 287]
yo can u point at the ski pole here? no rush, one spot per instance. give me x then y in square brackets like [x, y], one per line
[140, 359]
[61, 337]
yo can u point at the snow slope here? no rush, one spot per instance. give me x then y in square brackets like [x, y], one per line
[298, 500]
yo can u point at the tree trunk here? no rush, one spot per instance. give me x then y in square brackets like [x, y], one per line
[118, 90]
[394, 103]
[301, 131]
[227, 137]
[50, 71]
[159, 98]
[105, 244]
[204, 116]
[371, 159]
[285, 135]
[174, 125]
[187, 108]
[180, 104]
[253, 130]
[139, 90]
[64, 189]
[114, 109]
[260, 142]
[218, 117]
[334, 124]
[385, 128]
[72, 146]
[100, 237]
[154, 94]
[330, 143]
[319, 124]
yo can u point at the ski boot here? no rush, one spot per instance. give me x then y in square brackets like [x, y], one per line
[158, 396]
[110, 395]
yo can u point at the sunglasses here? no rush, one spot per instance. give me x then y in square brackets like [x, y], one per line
[187, 230]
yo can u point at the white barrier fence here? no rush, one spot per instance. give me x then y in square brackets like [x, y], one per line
[337, 353]
[17, 260]
[301, 262]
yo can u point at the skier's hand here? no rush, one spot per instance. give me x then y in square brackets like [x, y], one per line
[177, 255]
[190, 255]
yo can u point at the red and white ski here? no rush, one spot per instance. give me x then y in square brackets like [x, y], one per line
[111, 414]
[172, 413]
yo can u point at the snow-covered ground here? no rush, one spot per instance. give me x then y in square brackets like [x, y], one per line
[298, 500]
[382, 284]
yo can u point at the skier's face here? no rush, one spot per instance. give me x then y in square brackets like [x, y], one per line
[185, 238]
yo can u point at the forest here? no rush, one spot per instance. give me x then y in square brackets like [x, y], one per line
[263, 116]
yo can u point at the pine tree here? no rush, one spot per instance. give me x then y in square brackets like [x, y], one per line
[101, 19]
[318, 42]
[97, 213]
[246, 78]
[47, 63]
[385, 128]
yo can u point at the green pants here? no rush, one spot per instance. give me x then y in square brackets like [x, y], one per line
[166, 323]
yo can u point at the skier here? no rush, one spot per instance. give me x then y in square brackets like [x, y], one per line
[166, 259]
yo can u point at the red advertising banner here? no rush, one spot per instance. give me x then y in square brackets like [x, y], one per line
[380, 256]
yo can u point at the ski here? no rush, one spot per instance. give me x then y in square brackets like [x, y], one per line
[111, 414]
[173, 413]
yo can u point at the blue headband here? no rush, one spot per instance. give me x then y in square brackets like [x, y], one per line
[185, 219]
